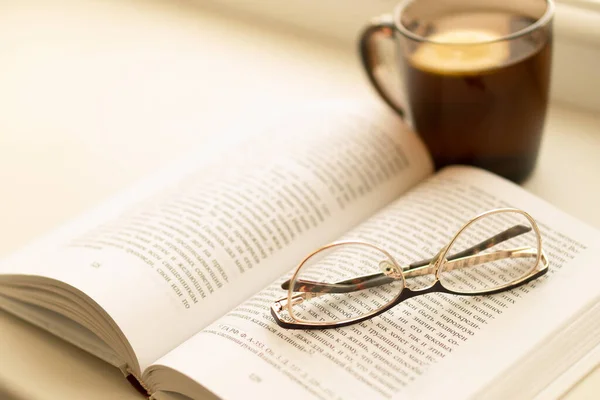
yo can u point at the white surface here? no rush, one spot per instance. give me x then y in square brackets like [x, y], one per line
[576, 28]
[97, 94]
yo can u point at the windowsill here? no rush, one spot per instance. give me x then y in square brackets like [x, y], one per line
[577, 35]
[577, 55]
[591, 5]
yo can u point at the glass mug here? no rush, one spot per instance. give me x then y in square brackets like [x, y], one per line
[476, 74]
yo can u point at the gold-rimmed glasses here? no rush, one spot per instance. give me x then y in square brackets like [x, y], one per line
[350, 281]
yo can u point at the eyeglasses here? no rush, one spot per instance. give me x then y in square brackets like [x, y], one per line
[347, 282]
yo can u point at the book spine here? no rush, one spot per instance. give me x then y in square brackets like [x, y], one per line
[138, 384]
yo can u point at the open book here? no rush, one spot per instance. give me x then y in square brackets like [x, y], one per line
[172, 281]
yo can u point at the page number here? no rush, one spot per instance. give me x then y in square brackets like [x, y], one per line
[95, 264]
[255, 378]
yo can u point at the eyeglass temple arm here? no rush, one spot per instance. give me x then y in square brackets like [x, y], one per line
[378, 279]
[346, 286]
[510, 233]
[471, 261]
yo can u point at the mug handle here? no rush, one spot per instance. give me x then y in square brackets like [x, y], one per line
[381, 26]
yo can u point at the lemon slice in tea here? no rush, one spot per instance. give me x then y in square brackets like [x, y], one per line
[461, 51]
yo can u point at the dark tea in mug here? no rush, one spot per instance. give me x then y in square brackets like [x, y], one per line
[476, 98]
[477, 77]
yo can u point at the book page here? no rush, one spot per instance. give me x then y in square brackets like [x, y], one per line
[383, 356]
[167, 264]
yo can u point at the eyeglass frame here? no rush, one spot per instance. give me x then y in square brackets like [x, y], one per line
[435, 264]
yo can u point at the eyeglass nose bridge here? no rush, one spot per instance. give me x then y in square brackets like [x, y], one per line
[433, 268]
